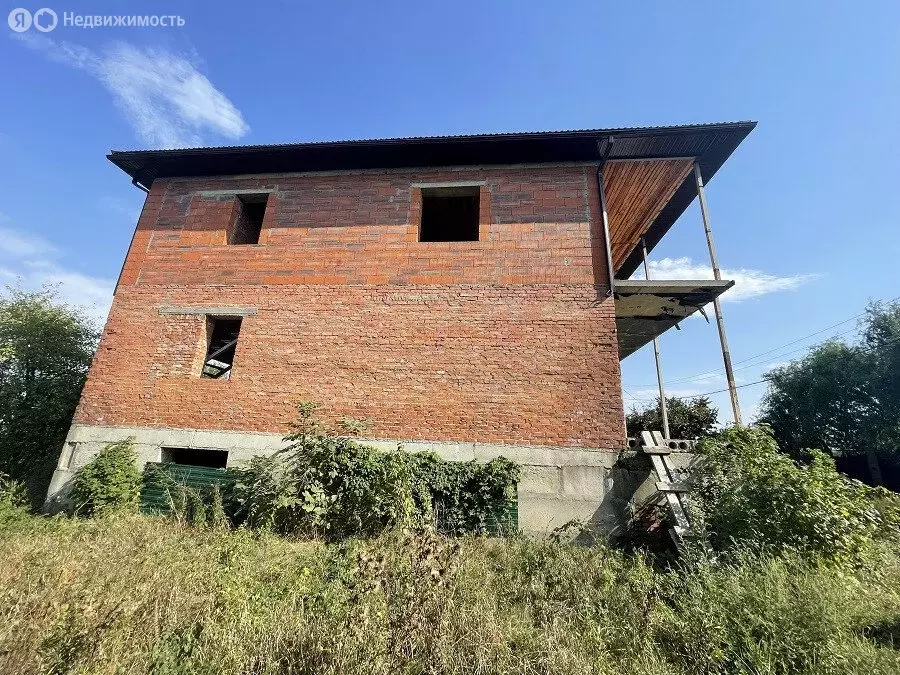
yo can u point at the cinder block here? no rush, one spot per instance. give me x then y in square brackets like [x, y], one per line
[540, 480]
[541, 515]
[584, 482]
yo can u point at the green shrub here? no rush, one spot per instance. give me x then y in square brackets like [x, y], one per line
[109, 482]
[14, 499]
[332, 486]
[749, 495]
[466, 496]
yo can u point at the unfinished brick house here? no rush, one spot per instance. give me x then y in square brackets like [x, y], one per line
[468, 295]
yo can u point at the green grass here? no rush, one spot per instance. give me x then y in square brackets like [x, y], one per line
[149, 595]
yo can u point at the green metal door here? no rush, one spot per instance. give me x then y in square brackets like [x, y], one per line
[160, 479]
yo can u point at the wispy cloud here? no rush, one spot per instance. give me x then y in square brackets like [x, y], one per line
[17, 244]
[130, 210]
[34, 262]
[748, 283]
[163, 95]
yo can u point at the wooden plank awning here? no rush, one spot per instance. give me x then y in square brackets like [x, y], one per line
[636, 193]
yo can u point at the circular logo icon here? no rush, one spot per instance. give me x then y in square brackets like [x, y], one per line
[20, 20]
[45, 19]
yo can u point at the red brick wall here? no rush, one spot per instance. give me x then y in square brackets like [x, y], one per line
[510, 339]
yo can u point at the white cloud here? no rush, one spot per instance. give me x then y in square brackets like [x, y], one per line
[33, 262]
[14, 244]
[748, 283]
[165, 98]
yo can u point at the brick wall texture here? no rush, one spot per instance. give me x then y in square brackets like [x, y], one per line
[510, 339]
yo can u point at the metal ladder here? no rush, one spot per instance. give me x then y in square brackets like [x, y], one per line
[658, 449]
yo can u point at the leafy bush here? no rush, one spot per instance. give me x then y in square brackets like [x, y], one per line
[109, 482]
[465, 496]
[333, 486]
[13, 498]
[750, 495]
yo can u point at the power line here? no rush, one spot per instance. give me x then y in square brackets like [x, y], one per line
[806, 337]
[702, 376]
[632, 396]
[719, 391]
[775, 349]
[766, 379]
[799, 349]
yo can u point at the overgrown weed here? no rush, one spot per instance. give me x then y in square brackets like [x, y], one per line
[127, 593]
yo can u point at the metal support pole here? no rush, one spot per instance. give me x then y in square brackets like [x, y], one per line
[611, 272]
[663, 408]
[720, 321]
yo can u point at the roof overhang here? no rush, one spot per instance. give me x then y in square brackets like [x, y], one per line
[646, 169]
[647, 309]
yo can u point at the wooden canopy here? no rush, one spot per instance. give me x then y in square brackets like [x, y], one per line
[636, 193]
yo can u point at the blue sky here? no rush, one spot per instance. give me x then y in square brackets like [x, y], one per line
[806, 213]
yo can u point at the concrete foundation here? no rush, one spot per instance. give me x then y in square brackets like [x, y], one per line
[558, 484]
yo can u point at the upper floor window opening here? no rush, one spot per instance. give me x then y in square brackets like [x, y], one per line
[247, 224]
[450, 213]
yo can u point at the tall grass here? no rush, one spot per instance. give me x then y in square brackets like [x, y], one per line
[131, 594]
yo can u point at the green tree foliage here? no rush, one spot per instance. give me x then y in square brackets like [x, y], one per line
[109, 482]
[45, 350]
[694, 418]
[841, 397]
[332, 486]
[750, 496]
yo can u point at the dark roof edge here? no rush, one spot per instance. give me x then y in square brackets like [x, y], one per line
[538, 147]
[462, 138]
[710, 144]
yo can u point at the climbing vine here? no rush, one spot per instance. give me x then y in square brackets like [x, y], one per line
[334, 486]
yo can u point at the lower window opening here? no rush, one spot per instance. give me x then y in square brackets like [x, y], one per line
[221, 345]
[214, 459]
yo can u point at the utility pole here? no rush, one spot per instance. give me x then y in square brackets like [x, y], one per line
[720, 321]
[663, 408]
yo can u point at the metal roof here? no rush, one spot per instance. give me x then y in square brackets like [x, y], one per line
[711, 144]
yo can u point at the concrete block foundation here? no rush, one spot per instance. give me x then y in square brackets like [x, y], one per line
[601, 487]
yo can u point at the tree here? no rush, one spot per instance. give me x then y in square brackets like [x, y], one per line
[841, 397]
[694, 418]
[45, 350]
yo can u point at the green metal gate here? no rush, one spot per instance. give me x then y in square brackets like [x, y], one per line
[159, 480]
[505, 520]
